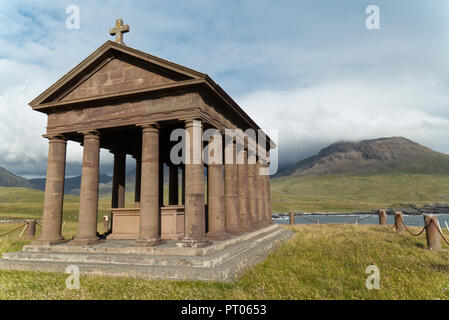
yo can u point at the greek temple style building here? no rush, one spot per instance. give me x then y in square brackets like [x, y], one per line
[129, 102]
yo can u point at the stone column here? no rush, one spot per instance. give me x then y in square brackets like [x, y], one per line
[54, 192]
[252, 189]
[150, 221]
[88, 209]
[195, 224]
[161, 182]
[267, 194]
[173, 187]
[138, 181]
[118, 180]
[231, 190]
[183, 187]
[261, 195]
[242, 177]
[216, 200]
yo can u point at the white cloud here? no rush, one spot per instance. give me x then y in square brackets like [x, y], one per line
[310, 118]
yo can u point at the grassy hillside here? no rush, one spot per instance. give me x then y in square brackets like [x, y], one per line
[295, 271]
[356, 192]
[311, 194]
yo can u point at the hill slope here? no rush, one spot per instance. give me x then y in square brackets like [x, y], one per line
[8, 179]
[71, 185]
[384, 155]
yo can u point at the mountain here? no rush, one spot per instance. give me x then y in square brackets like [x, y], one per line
[8, 179]
[71, 185]
[383, 155]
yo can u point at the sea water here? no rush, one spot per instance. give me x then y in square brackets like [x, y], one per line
[409, 220]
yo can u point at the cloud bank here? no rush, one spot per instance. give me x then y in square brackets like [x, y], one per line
[308, 68]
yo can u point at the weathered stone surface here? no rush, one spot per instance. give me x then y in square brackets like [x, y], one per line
[222, 261]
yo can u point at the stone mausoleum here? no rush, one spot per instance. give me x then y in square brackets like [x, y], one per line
[217, 220]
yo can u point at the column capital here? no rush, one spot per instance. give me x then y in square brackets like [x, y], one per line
[150, 127]
[190, 122]
[91, 134]
[55, 138]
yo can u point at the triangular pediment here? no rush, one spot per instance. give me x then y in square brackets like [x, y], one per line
[121, 75]
[114, 69]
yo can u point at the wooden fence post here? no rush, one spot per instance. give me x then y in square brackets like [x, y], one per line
[31, 229]
[432, 234]
[383, 217]
[292, 218]
[399, 221]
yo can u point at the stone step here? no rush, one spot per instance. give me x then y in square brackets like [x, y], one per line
[145, 259]
[169, 248]
[228, 270]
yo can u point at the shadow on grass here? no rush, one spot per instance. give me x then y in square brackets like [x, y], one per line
[419, 245]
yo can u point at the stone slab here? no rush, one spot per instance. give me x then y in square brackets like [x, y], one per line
[222, 261]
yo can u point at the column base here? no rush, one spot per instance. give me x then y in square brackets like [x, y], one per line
[194, 243]
[44, 242]
[247, 229]
[220, 235]
[252, 226]
[235, 232]
[147, 242]
[263, 224]
[85, 242]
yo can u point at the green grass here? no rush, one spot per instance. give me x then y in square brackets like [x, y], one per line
[321, 262]
[357, 192]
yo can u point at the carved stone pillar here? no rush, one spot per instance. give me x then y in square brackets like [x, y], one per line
[183, 184]
[252, 189]
[242, 176]
[150, 221]
[267, 194]
[195, 224]
[173, 187]
[261, 195]
[118, 180]
[88, 209]
[138, 181]
[231, 189]
[54, 192]
[216, 199]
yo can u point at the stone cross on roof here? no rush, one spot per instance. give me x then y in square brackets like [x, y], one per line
[119, 30]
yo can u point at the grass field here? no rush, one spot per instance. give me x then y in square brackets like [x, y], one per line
[300, 269]
[350, 193]
[308, 194]
[321, 262]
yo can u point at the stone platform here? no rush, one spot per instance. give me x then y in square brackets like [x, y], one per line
[221, 261]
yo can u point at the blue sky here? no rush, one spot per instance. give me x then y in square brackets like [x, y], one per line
[308, 68]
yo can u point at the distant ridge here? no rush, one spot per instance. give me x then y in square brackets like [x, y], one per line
[8, 179]
[383, 155]
[71, 185]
